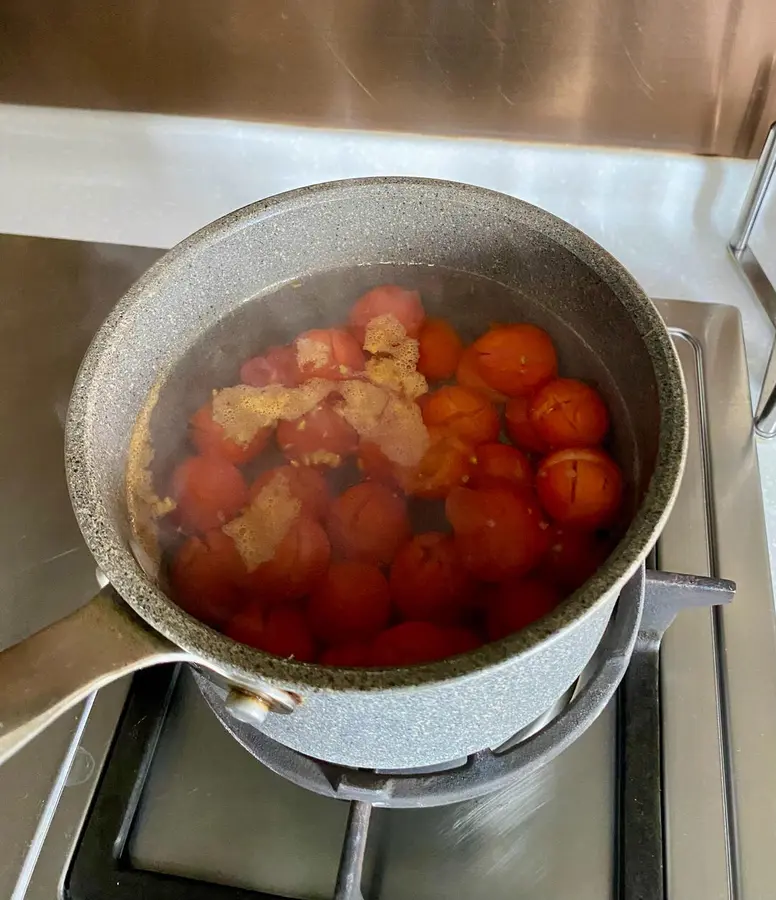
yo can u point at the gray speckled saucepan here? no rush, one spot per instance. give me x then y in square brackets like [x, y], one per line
[260, 275]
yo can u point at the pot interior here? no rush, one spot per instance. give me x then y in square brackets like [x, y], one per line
[264, 273]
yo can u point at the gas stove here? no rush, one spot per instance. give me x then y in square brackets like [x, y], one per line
[143, 792]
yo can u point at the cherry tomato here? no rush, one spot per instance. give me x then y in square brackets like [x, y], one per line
[461, 640]
[322, 437]
[497, 463]
[581, 487]
[516, 359]
[277, 366]
[209, 491]
[351, 655]
[207, 577]
[468, 376]
[574, 556]
[410, 643]
[428, 580]
[352, 602]
[209, 438]
[462, 412]
[388, 299]
[500, 531]
[368, 523]
[305, 484]
[568, 413]
[440, 350]
[376, 466]
[300, 562]
[447, 462]
[514, 604]
[520, 428]
[328, 353]
[282, 631]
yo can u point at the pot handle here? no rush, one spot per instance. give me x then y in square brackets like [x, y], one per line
[54, 669]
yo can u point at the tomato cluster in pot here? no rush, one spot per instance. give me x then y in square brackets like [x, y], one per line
[514, 452]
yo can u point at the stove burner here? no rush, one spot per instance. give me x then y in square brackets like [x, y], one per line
[100, 867]
[489, 770]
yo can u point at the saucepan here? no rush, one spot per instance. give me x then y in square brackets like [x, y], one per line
[260, 275]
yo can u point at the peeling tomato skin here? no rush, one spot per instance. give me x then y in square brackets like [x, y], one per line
[580, 487]
[516, 359]
[568, 413]
[368, 523]
[462, 412]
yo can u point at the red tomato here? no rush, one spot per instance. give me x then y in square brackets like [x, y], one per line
[497, 463]
[328, 353]
[461, 640]
[277, 366]
[500, 532]
[428, 580]
[368, 523]
[376, 466]
[352, 655]
[300, 562]
[409, 644]
[440, 350]
[462, 412]
[520, 428]
[447, 462]
[516, 359]
[580, 487]
[468, 376]
[568, 413]
[514, 604]
[322, 437]
[209, 491]
[209, 438]
[305, 484]
[207, 577]
[351, 603]
[283, 632]
[388, 299]
[574, 556]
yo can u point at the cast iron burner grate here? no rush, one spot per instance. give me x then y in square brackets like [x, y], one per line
[628, 658]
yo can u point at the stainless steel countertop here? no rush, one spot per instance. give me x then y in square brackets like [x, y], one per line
[53, 296]
[717, 761]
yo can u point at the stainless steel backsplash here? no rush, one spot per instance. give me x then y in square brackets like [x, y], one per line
[692, 75]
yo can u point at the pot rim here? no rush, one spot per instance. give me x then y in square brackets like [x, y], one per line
[249, 666]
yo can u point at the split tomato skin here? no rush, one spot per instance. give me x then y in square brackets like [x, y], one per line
[467, 375]
[463, 412]
[351, 603]
[500, 532]
[520, 429]
[568, 413]
[208, 491]
[368, 523]
[580, 487]
[388, 299]
[440, 350]
[447, 462]
[516, 359]
[429, 582]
